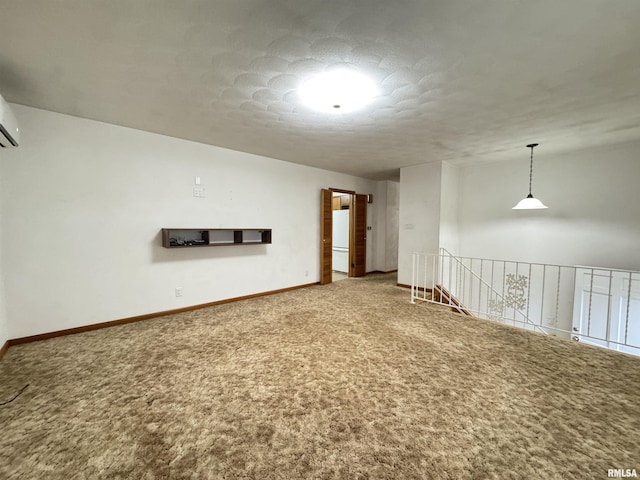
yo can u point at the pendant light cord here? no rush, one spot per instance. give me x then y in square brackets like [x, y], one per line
[531, 170]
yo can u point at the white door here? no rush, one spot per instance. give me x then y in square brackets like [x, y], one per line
[629, 308]
[607, 309]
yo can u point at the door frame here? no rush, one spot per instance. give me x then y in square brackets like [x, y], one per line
[326, 236]
[340, 190]
[358, 235]
[326, 232]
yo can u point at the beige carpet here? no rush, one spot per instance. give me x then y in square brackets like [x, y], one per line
[345, 381]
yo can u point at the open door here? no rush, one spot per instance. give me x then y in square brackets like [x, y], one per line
[358, 236]
[326, 236]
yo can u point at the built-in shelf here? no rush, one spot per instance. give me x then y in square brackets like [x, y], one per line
[214, 237]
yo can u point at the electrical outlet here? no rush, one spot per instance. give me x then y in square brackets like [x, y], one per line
[198, 192]
[178, 291]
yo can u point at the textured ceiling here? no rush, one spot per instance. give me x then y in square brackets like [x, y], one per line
[459, 81]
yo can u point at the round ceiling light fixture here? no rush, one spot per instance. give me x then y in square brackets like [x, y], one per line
[337, 91]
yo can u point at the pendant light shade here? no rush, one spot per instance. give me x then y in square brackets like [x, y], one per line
[530, 202]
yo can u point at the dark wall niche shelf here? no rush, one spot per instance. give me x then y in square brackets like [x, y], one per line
[214, 237]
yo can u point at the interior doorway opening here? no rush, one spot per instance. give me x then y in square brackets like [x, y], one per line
[340, 210]
[355, 248]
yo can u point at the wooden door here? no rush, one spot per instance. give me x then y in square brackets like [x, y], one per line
[326, 236]
[358, 236]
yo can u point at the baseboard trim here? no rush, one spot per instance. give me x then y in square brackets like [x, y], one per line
[419, 289]
[139, 318]
[381, 271]
[4, 349]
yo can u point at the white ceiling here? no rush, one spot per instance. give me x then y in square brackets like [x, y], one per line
[462, 81]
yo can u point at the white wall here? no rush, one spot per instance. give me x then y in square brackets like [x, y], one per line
[449, 194]
[386, 201]
[419, 214]
[380, 235]
[392, 219]
[84, 203]
[4, 327]
[593, 216]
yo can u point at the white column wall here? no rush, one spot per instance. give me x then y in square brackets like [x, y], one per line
[83, 204]
[419, 219]
[449, 193]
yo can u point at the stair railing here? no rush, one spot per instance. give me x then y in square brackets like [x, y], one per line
[600, 306]
[499, 298]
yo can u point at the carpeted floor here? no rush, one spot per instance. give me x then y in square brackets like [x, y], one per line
[344, 381]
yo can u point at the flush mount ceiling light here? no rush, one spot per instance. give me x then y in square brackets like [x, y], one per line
[530, 202]
[337, 91]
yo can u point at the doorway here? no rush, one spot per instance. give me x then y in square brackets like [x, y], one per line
[343, 227]
[341, 223]
[607, 309]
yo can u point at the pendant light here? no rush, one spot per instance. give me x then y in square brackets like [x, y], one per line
[530, 202]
